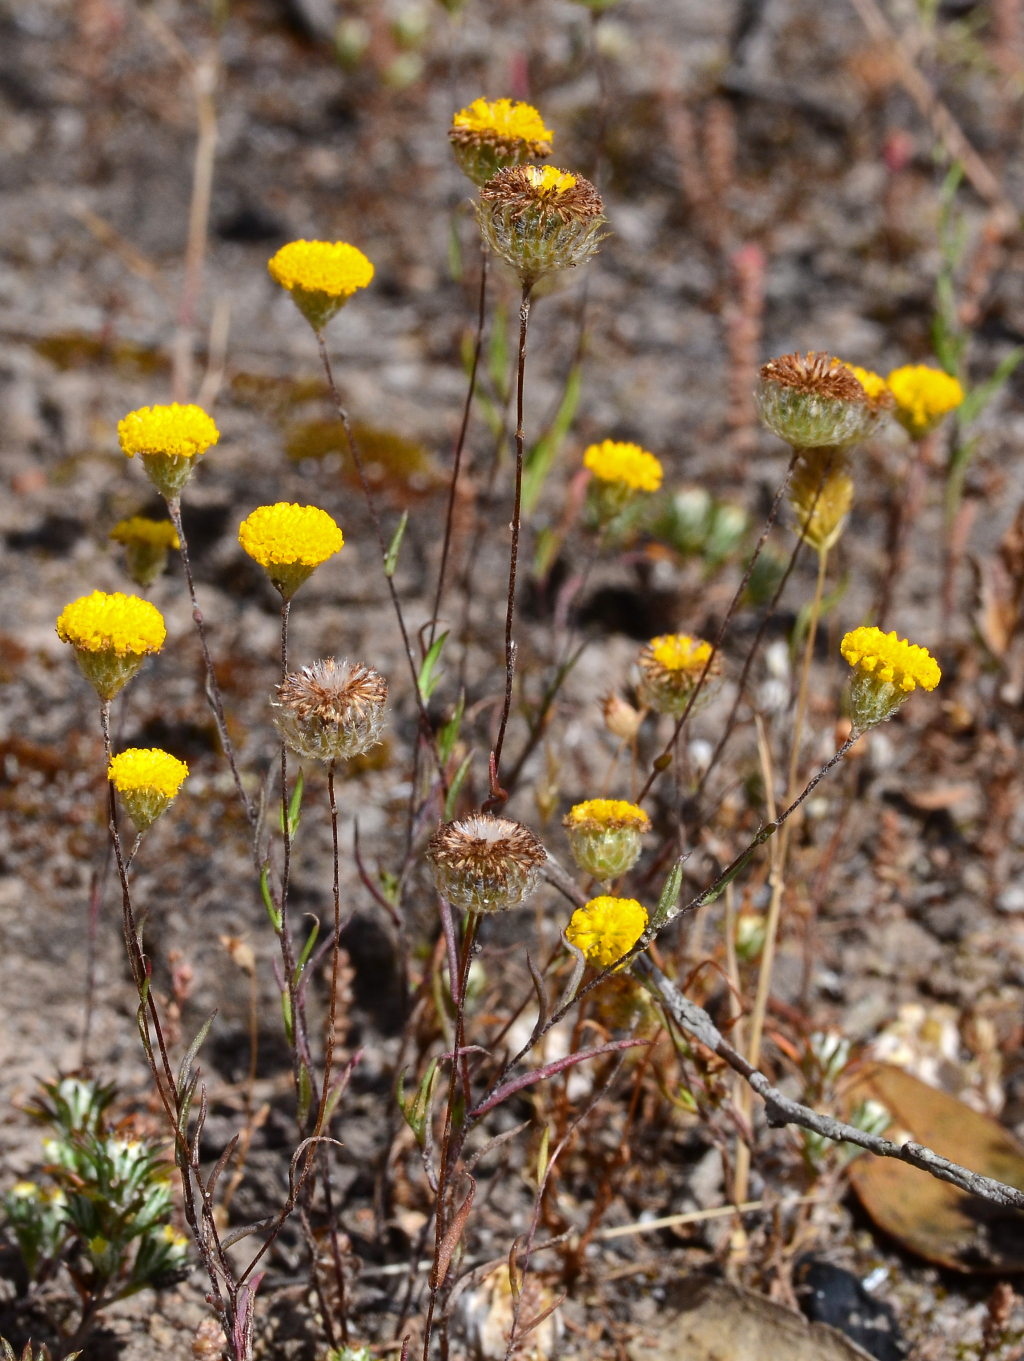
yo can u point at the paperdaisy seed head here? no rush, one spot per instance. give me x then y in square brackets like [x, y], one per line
[146, 545]
[670, 667]
[821, 494]
[148, 780]
[289, 542]
[607, 928]
[886, 670]
[488, 136]
[112, 635]
[604, 836]
[331, 711]
[485, 864]
[321, 276]
[168, 439]
[812, 400]
[923, 396]
[540, 220]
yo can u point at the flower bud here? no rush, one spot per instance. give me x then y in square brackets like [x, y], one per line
[604, 835]
[670, 667]
[540, 220]
[621, 719]
[331, 711]
[485, 864]
[886, 671]
[813, 400]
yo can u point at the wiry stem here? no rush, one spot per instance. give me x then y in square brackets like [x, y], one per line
[497, 794]
[371, 506]
[460, 442]
[213, 695]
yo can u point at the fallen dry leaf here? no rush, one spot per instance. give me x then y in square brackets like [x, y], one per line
[928, 1216]
[941, 796]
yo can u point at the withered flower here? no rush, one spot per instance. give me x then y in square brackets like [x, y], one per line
[485, 864]
[540, 220]
[331, 710]
[813, 400]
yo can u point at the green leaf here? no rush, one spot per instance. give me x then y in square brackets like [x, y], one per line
[458, 779]
[294, 807]
[268, 901]
[497, 354]
[541, 458]
[669, 900]
[416, 1112]
[286, 1012]
[390, 885]
[395, 546]
[542, 1155]
[448, 734]
[310, 942]
[426, 681]
[305, 1093]
[454, 250]
[803, 619]
[978, 398]
[193, 1050]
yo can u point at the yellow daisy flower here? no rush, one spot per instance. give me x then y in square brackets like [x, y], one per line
[289, 542]
[886, 670]
[112, 635]
[607, 928]
[923, 397]
[147, 779]
[321, 276]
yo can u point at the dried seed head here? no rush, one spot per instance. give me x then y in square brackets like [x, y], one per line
[821, 494]
[540, 220]
[812, 400]
[485, 864]
[331, 710]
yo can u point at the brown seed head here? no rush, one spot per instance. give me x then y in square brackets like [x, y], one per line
[521, 187]
[815, 372]
[484, 863]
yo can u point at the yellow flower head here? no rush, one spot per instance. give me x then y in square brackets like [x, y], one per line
[607, 928]
[334, 268]
[613, 461]
[501, 119]
[886, 658]
[150, 533]
[608, 813]
[173, 431]
[122, 624]
[147, 769]
[289, 542]
[680, 652]
[923, 397]
[874, 385]
[548, 181]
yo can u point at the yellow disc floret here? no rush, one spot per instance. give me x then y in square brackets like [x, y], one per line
[138, 529]
[112, 623]
[548, 180]
[503, 119]
[284, 535]
[174, 431]
[891, 660]
[923, 396]
[608, 813]
[614, 461]
[334, 268]
[607, 928]
[680, 652]
[147, 769]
